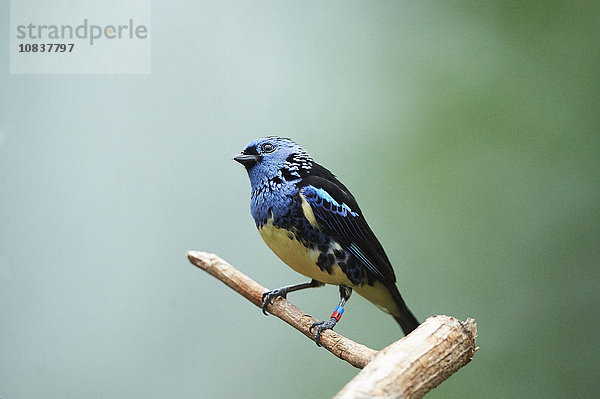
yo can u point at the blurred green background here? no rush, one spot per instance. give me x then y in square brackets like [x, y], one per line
[468, 131]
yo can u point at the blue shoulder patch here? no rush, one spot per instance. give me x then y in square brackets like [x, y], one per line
[321, 198]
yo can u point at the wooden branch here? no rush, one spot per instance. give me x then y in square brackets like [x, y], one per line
[407, 369]
[354, 353]
[417, 363]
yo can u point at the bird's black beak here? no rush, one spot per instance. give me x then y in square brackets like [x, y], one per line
[248, 160]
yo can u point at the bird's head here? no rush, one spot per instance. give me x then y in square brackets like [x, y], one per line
[268, 157]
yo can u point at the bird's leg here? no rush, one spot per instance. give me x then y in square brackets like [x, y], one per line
[268, 296]
[345, 293]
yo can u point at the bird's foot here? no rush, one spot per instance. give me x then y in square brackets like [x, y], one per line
[268, 297]
[322, 325]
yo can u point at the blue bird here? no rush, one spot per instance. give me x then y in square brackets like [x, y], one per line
[309, 219]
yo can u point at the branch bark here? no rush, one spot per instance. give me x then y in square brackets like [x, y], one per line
[417, 363]
[408, 368]
[354, 353]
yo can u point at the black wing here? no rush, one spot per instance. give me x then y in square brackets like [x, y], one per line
[339, 215]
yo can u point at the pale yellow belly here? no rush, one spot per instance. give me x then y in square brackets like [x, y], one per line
[379, 295]
[303, 260]
[300, 258]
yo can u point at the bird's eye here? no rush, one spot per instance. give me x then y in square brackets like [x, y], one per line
[267, 147]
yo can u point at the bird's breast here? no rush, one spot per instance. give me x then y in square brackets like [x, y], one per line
[301, 258]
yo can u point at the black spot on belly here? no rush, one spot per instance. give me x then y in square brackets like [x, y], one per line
[354, 270]
[322, 261]
[339, 254]
[330, 259]
[355, 275]
[325, 262]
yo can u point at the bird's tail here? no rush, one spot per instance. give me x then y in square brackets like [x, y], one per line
[408, 322]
